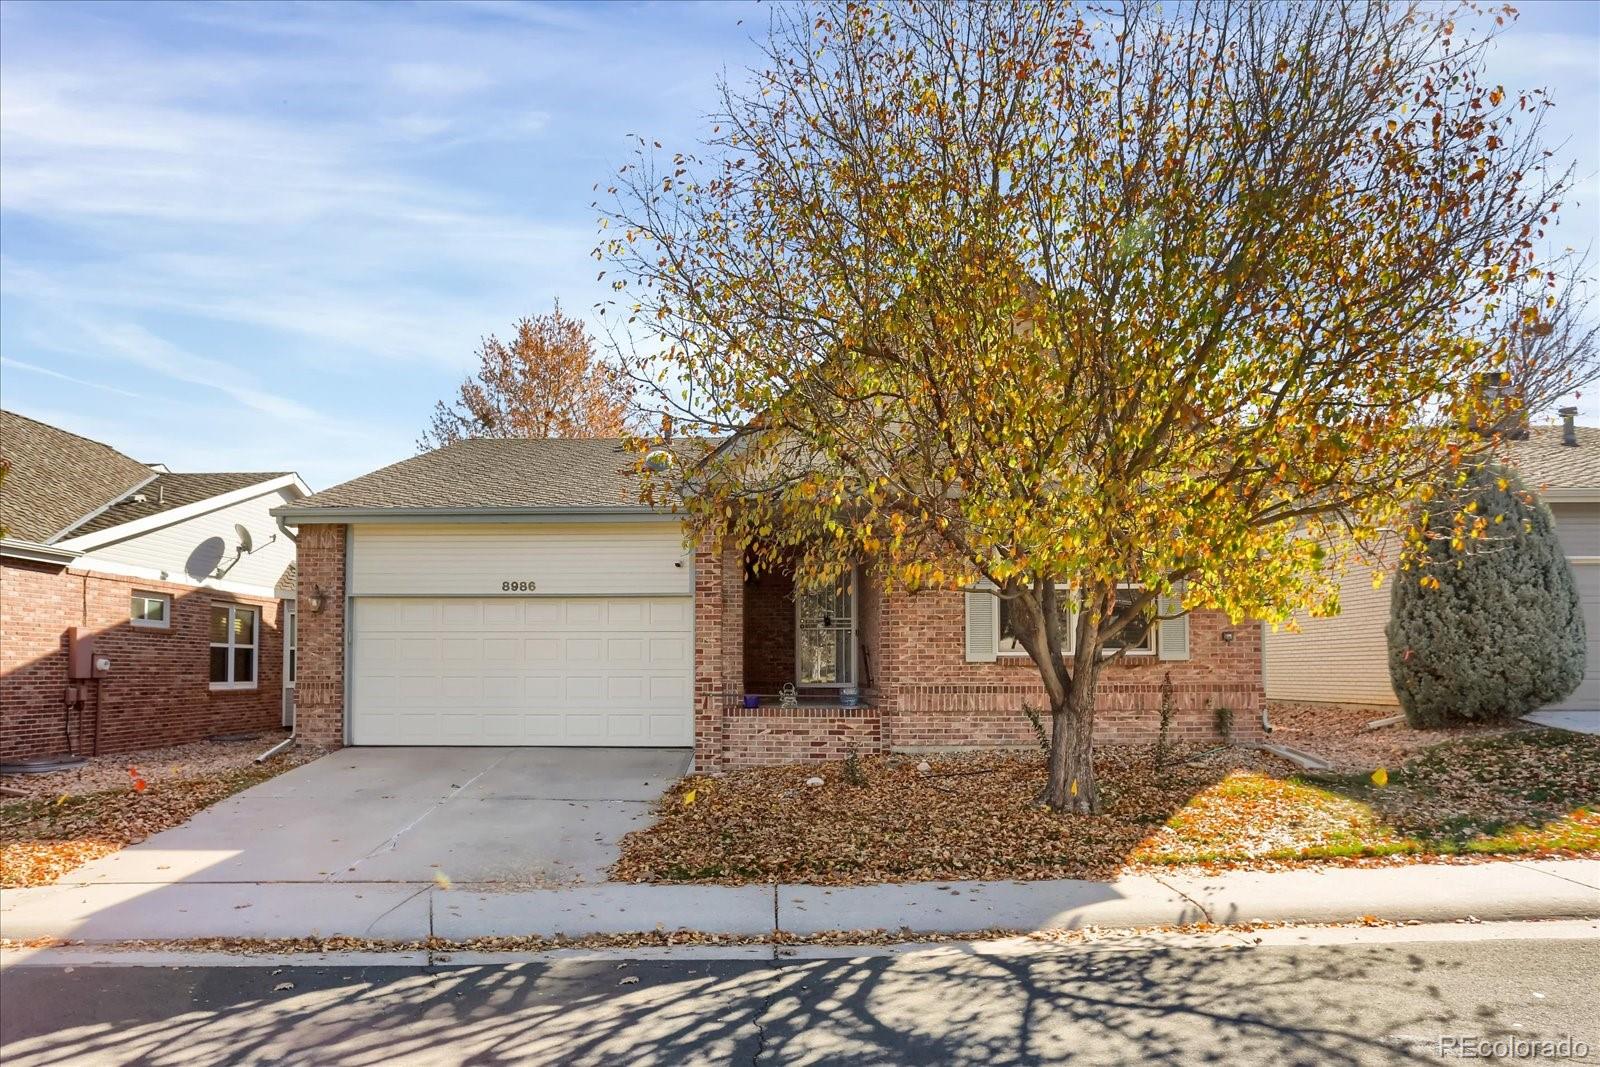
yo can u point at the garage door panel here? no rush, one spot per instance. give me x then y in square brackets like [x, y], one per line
[625, 651]
[528, 671]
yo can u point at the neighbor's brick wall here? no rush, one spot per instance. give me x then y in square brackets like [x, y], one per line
[158, 692]
[319, 682]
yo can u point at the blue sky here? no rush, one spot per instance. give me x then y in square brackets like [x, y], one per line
[269, 237]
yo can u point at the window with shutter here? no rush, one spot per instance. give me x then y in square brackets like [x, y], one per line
[983, 625]
[1173, 640]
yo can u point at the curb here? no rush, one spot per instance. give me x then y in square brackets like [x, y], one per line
[1494, 891]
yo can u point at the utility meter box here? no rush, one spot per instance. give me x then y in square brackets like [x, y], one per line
[82, 663]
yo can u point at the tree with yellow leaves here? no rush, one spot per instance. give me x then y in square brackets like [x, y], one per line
[1116, 311]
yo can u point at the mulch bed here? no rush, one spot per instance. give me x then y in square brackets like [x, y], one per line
[43, 838]
[978, 816]
[198, 759]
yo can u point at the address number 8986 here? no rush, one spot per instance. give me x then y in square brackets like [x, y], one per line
[517, 587]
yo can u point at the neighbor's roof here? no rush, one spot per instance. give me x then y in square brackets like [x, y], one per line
[170, 491]
[58, 478]
[1545, 463]
[555, 474]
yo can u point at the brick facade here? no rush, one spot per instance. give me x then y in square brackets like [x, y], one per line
[158, 690]
[922, 692]
[319, 681]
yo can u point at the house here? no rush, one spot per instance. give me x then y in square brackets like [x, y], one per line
[1344, 659]
[174, 582]
[516, 592]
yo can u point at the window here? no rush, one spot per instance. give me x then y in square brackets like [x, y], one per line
[1140, 640]
[1010, 646]
[233, 647]
[291, 641]
[153, 610]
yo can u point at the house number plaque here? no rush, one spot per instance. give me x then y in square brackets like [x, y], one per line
[515, 585]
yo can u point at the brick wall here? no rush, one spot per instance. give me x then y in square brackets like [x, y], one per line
[932, 697]
[769, 632]
[925, 695]
[158, 691]
[319, 684]
[754, 737]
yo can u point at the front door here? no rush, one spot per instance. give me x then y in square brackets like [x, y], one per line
[825, 635]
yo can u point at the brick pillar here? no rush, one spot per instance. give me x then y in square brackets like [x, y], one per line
[718, 646]
[893, 635]
[319, 684]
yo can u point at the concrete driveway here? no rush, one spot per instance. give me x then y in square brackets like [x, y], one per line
[511, 817]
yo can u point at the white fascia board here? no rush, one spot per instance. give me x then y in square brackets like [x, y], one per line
[123, 531]
[151, 574]
[36, 553]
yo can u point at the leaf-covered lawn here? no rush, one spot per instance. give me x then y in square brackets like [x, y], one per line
[40, 840]
[1534, 792]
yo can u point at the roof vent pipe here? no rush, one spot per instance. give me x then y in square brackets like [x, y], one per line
[1569, 431]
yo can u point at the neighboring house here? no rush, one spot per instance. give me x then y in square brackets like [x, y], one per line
[516, 592]
[1345, 659]
[175, 578]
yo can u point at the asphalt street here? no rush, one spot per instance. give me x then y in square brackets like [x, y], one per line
[1422, 1001]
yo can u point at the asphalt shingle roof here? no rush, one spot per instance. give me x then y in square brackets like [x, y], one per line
[496, 473]
[1545, 463]
[57, 478]
[170, 491]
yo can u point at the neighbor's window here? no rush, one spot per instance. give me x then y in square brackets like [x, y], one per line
[233, 647]
[1139, 640]
[1010, 646]
[151, 609]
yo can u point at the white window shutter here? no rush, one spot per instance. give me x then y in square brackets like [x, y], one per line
[1172, 635]
[983, 625]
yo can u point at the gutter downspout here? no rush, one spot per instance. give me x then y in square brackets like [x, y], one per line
[284, 528]
[277, 748]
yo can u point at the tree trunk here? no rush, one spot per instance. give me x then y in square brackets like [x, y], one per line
[1072, 783]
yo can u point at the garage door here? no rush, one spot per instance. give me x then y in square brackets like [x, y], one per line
[522, 671]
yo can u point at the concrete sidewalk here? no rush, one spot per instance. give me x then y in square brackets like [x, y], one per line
[408, 911]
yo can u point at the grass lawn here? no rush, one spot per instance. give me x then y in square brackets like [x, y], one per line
[1531, 792]
[42, 839]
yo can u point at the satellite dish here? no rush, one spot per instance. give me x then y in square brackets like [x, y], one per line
[246, 542]
[658, 460]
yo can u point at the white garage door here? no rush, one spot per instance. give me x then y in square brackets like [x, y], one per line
[522, 671]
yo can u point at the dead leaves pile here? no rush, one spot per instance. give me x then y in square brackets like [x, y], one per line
[41, 840]
[973, 816]
[1534, 792]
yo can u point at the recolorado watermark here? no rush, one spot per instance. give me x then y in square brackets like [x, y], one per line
[1473, 1047]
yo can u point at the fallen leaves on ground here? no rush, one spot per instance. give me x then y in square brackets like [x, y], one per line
[45, 838]
[1339, 733]
[978, 816]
